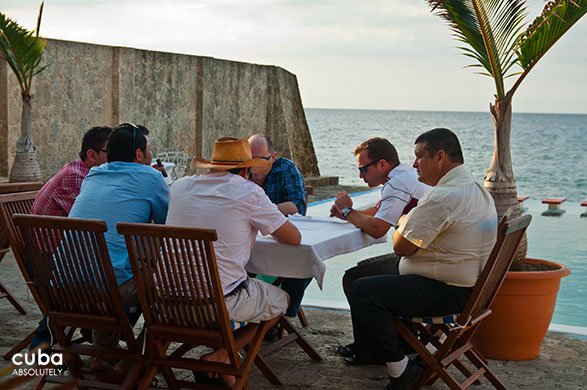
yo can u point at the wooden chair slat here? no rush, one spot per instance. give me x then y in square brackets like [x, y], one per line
[9, 188]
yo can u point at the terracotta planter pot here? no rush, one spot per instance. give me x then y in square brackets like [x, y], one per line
[521, 314]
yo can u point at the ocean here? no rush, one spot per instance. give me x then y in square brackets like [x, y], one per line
[549, 151]
[549, 154]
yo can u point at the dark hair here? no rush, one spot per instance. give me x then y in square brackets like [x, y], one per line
[379, 149]
[94, 139]
[124, 140]
[442, 139]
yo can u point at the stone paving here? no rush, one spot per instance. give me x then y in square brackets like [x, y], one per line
[562, 364]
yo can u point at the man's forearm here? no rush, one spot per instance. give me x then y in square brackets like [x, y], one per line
[372, 226]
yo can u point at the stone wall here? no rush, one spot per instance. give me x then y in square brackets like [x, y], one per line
[185, 101]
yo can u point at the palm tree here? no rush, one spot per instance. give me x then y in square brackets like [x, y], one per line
[23, 51]
[494, 35]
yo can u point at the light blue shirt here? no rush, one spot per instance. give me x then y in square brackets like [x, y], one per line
[122, 192]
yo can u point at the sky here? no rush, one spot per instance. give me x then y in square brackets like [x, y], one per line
[366, 54]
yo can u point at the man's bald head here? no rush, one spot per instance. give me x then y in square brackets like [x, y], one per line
[261, 145]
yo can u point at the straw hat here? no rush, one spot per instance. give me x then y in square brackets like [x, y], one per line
[231, 153]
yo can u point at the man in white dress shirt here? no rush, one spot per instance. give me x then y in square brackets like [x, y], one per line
[378, 163]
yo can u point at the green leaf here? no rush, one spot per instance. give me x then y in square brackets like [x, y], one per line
[554, 21]
[22, 49]
[490, 29]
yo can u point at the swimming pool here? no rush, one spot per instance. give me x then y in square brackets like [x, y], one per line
[561, 239]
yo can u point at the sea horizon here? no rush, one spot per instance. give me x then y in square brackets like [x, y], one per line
[440, 111]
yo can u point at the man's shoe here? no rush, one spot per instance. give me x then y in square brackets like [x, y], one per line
[417, 359]
[346, 350]
[272, 334]
[407, 379]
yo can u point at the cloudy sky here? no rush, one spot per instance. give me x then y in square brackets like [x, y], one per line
[366, 54]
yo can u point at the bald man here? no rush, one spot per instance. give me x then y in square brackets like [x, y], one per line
[284, 184]
[282, 181]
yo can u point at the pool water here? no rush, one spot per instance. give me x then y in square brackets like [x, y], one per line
[561, 239]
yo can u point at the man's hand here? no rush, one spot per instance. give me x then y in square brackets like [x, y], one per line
[159, 166]
[343, 200]
[335, 213]
[287, 208]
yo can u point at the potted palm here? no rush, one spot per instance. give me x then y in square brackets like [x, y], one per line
[495, 35]
[23, 50]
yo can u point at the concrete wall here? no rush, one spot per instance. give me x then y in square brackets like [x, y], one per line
[185, 101]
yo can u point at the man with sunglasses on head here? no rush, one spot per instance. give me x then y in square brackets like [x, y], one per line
[378, 163]
[126, 189]
[284, 184]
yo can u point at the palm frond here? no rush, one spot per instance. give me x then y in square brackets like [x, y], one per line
[556, 19]
[23, 51]
[490, 28]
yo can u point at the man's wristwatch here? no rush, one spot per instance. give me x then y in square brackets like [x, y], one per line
[346, 211]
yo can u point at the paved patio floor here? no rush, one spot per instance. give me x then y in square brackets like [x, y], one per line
[562, 365]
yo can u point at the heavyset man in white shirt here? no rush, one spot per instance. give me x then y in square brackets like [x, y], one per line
[225, 200]
[444, 243]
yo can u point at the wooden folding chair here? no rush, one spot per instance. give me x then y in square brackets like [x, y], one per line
[10, 188]
[10, 204]
[75, 280]
[449, 336]
[181, 295]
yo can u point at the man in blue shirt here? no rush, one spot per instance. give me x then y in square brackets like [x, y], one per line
[284, 184]
[126, 189]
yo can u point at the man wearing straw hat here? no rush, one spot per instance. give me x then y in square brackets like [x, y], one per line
[224, 199]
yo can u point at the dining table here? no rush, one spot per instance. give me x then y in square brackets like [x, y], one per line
[322, 238]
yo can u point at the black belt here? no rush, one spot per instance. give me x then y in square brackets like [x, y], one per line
[235, 290]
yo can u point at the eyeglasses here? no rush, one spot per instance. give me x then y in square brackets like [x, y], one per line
[101, 150]
[363, 169]
[266, 158]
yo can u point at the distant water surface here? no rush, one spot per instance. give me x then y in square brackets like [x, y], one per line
[549, 151]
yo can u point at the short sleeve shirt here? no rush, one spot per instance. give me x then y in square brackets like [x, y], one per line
[236, 208]
[285, 183]
[122, 192]
[454, 228]
[401, 187]
[58, 194]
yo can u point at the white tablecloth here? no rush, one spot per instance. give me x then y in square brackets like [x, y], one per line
[322, 238]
